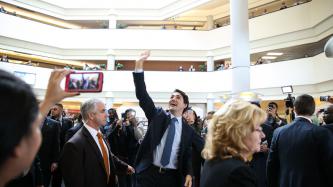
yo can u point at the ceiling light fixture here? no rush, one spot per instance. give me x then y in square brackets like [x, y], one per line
[269, 57]
[274, 54]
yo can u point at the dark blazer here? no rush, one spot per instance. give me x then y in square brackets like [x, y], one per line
[66, 124]
[33, 178]
[50, 149]
[197, 161]
[329, 127]
[227, 173]
[259, 160]
[82, 163]
[158, 121]
[301, 155]
[70, 133]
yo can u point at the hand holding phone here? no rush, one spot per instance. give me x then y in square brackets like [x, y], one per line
[84, 82]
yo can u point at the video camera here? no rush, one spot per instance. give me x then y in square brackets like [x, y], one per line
[289, 101]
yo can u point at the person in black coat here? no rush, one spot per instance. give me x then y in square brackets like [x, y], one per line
[86, 160]
[301, 153]
[112, 120]
[65, 125]
[273, 119]
[33, 178]
[70, 133]
[163, 161]
[124, 143]
[197, 145]
[259, 159]
[20, 134]
[234, 134]
[50, 148]
[328, 118]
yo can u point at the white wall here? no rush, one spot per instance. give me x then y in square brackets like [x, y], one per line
[119, 84]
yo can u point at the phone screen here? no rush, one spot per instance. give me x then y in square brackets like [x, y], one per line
[84, 82]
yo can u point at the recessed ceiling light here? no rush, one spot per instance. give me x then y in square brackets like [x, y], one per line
[269, 57]
[274, 54]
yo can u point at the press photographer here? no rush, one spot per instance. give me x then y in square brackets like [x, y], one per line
[289, 102]
[124, 140]
[273, 119]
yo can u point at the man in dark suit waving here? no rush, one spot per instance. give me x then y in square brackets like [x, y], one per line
[301, 153]
[87, 160]
[164, 157]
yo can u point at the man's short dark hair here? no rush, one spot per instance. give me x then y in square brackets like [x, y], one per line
[59, 105]
[273, 103]
[128, 111]
[305, 105]
[185, 97]
[19, 111]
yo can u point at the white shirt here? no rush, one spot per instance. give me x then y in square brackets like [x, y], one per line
[157, 154]
[93, 132]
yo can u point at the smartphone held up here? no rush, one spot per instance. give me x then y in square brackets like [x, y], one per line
[84, 82]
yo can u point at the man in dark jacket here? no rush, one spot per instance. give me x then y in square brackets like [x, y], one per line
[301, 153]
[64, 124]
[86, 159]
[328, 118]
[50, 148]
[164, 156]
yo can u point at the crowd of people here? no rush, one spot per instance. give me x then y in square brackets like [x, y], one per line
[240, 144]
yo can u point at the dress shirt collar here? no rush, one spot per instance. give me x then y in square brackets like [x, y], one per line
[305, 117]
[179, 119]
[91, 130]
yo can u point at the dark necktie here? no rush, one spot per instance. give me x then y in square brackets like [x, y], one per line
[165, 159]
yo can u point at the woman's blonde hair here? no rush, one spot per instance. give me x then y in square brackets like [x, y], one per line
[228, 128]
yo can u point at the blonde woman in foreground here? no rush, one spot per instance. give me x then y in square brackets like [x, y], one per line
[234, 134]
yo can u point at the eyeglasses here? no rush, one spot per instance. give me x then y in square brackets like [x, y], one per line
[259, 130]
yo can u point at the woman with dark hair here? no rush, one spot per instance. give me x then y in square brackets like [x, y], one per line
[21, 119]
[191, 118]
[197, 144]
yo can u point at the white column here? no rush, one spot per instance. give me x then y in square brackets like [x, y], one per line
[240, 53]
[210, 22]
[210, 102]
[210, 63]
[111, 60]
[112, 21]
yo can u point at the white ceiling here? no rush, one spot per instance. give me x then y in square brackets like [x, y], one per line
[110, 4]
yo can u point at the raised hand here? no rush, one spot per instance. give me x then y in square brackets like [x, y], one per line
[54, 93]
[143, 57]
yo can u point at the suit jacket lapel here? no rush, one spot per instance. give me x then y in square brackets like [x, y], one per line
[112, 167]
[164, 127]
[184, 135]
[94, 147]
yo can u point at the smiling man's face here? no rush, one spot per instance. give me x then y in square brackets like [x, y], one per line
[176, 103]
